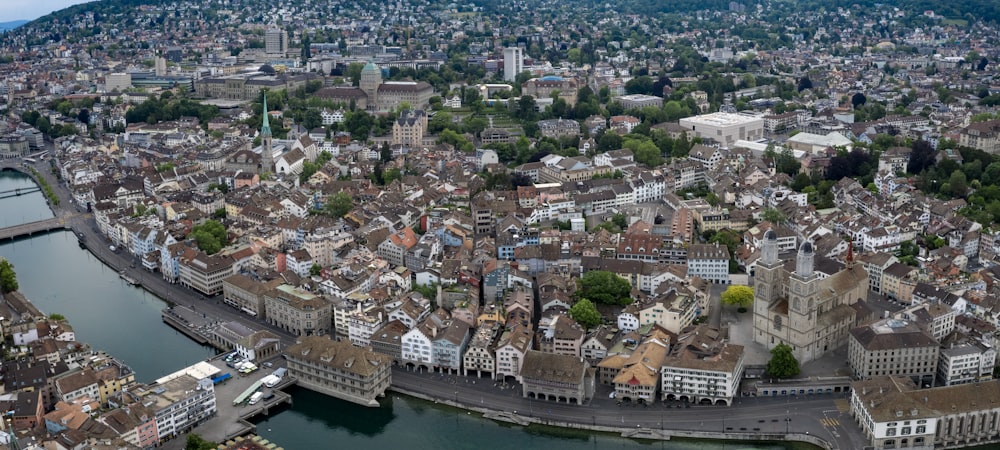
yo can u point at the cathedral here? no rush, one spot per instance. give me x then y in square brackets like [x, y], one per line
[811, 314]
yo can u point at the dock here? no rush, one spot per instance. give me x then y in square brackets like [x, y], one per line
[180, 322]
[130, 280]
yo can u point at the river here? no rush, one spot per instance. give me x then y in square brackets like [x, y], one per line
[60, 277]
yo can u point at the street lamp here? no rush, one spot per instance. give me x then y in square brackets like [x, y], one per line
[788, 420]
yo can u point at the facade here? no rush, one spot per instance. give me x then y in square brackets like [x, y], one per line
[983, 136]
[709, 262]
[180, 403]
[638, 101]
[809, 314]
[13, 146]
[703, 368]
[513, 62]
[639, 378]
[205, 273]
[544, 87]
[510, 351]
[895, 414]
[893, 347]
[339, 369]
[393, 94]
[965, 362]
[275, 41]
[479, 354]
[556, 378]
[725, 128]
[246, 294]
[298, 312]
[408, 130]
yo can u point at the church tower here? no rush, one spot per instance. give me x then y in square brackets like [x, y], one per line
[767, 285]
[803, 290]
[266, 149]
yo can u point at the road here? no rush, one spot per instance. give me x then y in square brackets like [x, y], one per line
[816, 415]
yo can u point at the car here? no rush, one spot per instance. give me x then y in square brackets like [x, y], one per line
[269, 364]
[613, 394]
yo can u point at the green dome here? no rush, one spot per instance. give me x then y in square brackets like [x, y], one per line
[370, 67]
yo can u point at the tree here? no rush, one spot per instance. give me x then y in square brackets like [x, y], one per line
[921, 157]
[805, 83]
[210, 236]
[783, 363]
[196, 442]
[8, 279]
[858, 99]
[339, 205]
[774, 216]
[605, 288]
[585, 313]
[741, 296]
[316, 269]
[56, 316]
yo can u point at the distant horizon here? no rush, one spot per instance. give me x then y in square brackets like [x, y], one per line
[29, 10]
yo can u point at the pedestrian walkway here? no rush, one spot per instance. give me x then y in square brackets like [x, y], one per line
[830, 422]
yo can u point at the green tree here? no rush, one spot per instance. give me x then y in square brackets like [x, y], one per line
[774, 215]
[8, 279]
[783, 363]
[338, 205]
[741, 296]
[56, 316]
[196, 442]
[210, 236]
[585, 313]
[316, 269]
[604, 287]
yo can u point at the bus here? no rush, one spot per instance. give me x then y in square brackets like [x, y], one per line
[29, 160]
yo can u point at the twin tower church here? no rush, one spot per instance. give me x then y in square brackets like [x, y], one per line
[809, 311]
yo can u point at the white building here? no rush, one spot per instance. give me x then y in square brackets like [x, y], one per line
[711, 379]
[513, 63]
[725, 128]
[965, 363]
[710, 262]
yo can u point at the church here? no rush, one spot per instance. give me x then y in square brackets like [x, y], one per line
[809, 313]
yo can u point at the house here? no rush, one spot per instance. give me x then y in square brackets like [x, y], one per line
[893, 347]
[556, 378]
[639, 378]
[480, 355]
[703, 367]
[515, 341]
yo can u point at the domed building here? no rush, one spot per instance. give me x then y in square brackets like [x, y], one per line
[371, 78]
[810, 313]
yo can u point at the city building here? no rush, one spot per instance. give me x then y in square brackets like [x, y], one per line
[639, 378]
[513, 62]
[205, 273]
[276, 41]
[339, 369]
[702, 367]
[895, 414]
[298, 312]
[810, 314]
[709, 262]
[556, 378]
[893, 347]
[725, 128]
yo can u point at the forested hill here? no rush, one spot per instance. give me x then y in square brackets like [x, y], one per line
[966, 10]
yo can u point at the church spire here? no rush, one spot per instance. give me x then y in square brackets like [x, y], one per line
[265, 128]
[266, 149]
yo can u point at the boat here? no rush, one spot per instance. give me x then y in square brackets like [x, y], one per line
[128, 279]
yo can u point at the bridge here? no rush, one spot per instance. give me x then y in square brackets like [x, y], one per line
[30, 228]
[18, 191]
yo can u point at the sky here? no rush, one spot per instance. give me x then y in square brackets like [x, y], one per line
[32, 9]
